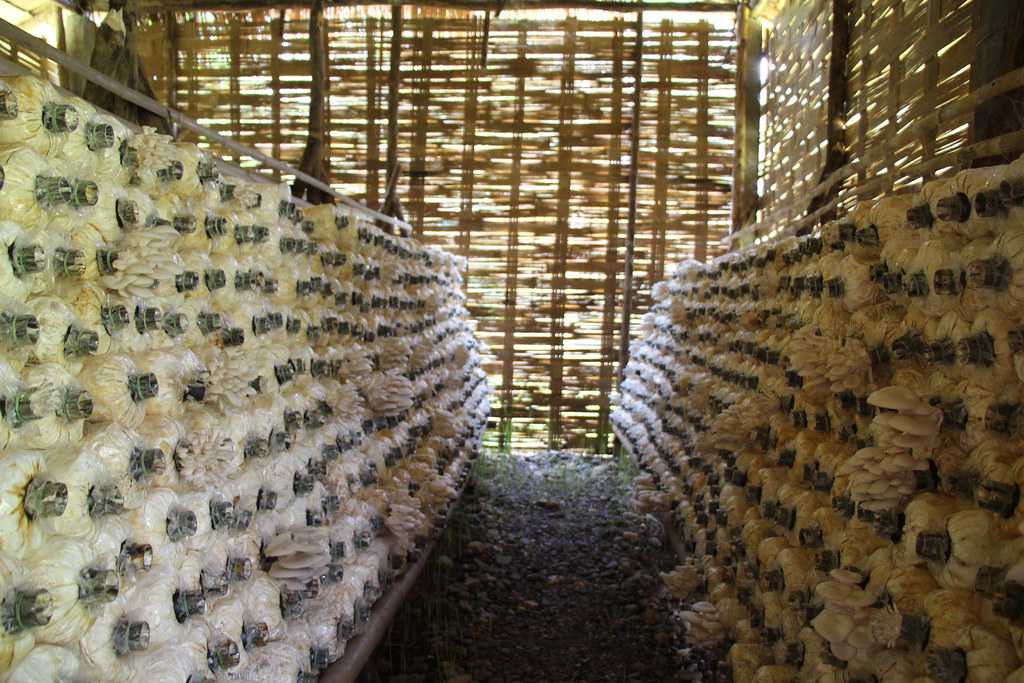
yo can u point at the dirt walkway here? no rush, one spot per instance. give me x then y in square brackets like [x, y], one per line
[544, 576]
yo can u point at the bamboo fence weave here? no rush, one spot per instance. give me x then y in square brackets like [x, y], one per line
[519, 164]
[906, 58]
[794, 134]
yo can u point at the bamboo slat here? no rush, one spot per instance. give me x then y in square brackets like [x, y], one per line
[907, 60]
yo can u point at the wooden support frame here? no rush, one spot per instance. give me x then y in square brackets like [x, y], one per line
[512, 259]
[418, 166]
[314, 158]
[467, 216]
[235, 41]
[607, 370]
[172, 60]
[156, 6]
[835, 135]
[394, 85]
[700, 237]
[634, 163]
[663, 142]
[562, 229]
[277, 35]
[749, 53]
[999, 49]
[372, 130]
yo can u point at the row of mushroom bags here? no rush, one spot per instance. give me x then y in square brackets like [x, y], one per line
[834, 423]
[227, 422]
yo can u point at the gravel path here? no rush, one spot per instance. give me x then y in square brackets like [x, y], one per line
[544, 575]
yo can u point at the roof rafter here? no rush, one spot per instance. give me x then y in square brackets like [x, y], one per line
[158, 6]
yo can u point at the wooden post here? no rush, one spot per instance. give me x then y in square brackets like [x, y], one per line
[372, 130]
[748, 118]
[276, 38]
[392, 205]
[234, 90]
[999, 49]
[562, 229]
[172, 65]
[611, 241]
[663, 142]
[467, 214]
[394, 83]
[634, 160]
[318, 71]
[418, 165]
[157, 6]
[62, 45]
[700, 236]
[314, 158]
[486, 39]
[512, 262]
[835, 135]
[931, 80]
[114, 54]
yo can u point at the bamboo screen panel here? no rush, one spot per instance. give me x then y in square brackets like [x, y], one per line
[520, 164]
[906, 58]
[794, 135]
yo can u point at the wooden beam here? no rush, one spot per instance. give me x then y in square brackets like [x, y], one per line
[835, 132]
[392, 205]
[512, 258]
[700, 236]
[421, 124]
[318, 71]
[486, 39]
[634, 162]
[556, 340]
[931, 79]
[234, 82]
[749, 53]
[663, 143]
[114, 54]
[314, 158]
[156, 7]
[469, 122]
[172, 59]
[172, 65]
[394, 84]
[999, 49]
[277, 33]
[372, 129]
[607, 370]
[62, 45]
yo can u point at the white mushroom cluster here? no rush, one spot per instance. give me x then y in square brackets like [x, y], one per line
[835, 422]
[226, 421]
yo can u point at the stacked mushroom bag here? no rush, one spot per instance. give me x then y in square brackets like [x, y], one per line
[225, 424]
[833, 422]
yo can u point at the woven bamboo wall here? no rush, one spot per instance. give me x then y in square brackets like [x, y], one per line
[521, 164]
[906, 57]
[798, 52]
